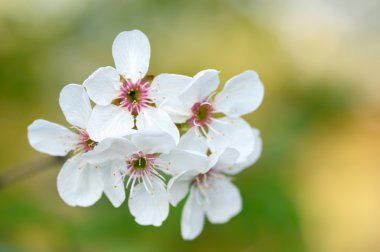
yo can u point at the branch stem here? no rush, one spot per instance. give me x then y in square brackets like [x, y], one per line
[23, 171]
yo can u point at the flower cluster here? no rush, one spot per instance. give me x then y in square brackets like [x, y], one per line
[162, 138]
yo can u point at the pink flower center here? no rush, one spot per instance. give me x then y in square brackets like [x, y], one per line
[85, 143]
[135, 95]
[141, 164]
[201, 114]
[142, 168]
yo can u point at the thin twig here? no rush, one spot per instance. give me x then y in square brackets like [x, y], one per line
[27, 170]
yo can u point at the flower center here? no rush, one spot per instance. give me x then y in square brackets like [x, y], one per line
[85, 144]
[142, 169]
[201, 114]
[141, 164]
[134, 95]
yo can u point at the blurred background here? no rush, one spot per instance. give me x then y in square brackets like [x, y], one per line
[316, 187]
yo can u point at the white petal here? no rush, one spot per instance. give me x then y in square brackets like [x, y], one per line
[193, 218]
[167, 87]
[103, 86]
[109, 121]
[110, 149]
[75, 105]
[165, 91]
[232, 133]
[179, 185]
[79, 183]
[149, 208]
[113, 183]
[192, 140]
[226, 160]
[252, 157]
[202, 85]
[153, 119]
[177, 111]
[51, 138]
[224, 201]
[131, 52]
[241, 94]
[151, 142]
[181, 160]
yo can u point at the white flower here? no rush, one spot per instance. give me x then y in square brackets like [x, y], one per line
[143, 158]
[79, 183]
[195, 106]
[125, 96]
[212, 195]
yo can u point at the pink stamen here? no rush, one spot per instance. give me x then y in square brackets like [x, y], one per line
[201, 114]
[140, 164]
[85, 143]
[141, 168]
[135, 95]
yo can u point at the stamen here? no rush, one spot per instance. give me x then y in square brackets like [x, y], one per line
[129, 180]
[203, 131]
[201, 114]
[135, 96]
[146, 187]
[132, 186]
[85, 143]
[158, 175]
[141, 168]
[204, 181]
[149, 182]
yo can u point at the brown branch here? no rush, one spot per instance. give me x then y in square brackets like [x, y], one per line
[27, 170]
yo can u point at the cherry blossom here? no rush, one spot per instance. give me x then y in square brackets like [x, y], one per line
[125, 97]
[212, 194]
[218, 116]
[79, 183]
